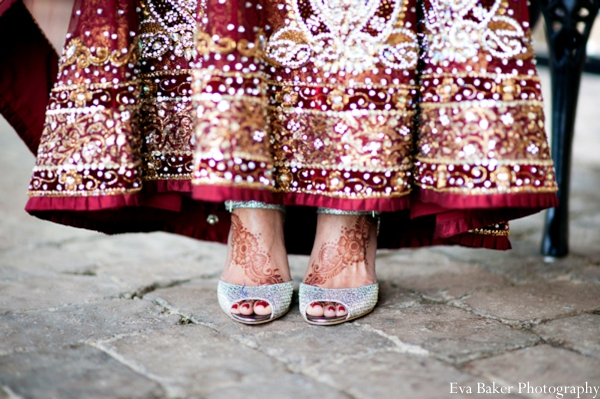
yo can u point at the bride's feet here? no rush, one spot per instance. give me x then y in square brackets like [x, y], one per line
[343, 256]
[256, 256]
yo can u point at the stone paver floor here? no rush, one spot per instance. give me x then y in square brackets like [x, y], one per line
[84, 315]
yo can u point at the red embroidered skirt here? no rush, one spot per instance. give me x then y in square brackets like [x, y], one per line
[427, 111]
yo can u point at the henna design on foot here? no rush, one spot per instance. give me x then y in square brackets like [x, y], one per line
[334, 257]
[246, 253]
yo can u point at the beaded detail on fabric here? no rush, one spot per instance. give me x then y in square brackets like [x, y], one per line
[120, 112]
[357, 301]
[297, 97]
[340, 115]
[363, 34]
[481, 118]
[321, 107]
[279, 296]
[498, 230]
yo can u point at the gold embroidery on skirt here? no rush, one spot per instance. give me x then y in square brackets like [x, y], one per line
[498, 230]
[458, 29]
[76, 51]
[352, 36]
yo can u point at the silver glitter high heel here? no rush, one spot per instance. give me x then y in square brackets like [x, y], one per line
[358, 301]
[278, 296]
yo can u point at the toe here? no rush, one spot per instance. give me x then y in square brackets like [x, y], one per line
[315, 309]
[329, 310]
[235, 308]
[262, 308]
[340, 310]
[246, 308]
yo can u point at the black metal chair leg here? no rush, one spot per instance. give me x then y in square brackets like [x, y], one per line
[568, 26]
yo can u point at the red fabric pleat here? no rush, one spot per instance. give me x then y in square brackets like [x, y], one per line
[28, 69]
[159, 207]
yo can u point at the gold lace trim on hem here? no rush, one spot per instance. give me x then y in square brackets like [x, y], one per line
[339, 114]
[481, 104]
[66, 193]
[499, 230]
[479, 162]
[472, 74]
[199, 182]
[167, 177]
[91, 109]
[346, 168]
[488, 191]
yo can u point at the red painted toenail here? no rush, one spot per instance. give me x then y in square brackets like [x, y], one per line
[331, 308]
[315, 304]
[262, 303]
[234, 306]
[342, 309]
[246, 306]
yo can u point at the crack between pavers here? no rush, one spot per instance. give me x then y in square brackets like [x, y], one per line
[140, 292]
[66, 345]
[522, 325]
[62, 306]
[514, 282]
[210, 276]
[87, 272]
[454, 303]
[528, 326]
[316, 377]
[306, 372]
[402, 346]
[186, 317]
[121, 296]
[236, 338]
[499, 381]
[563, 345]
[170, 391]
[519, 324]
[128, 295]
[567, 315]
[30, 349]
[73, 240]
[10, 393]
[461, 366]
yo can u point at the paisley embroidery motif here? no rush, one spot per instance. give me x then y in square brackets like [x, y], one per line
[168, 25]
[457, 29]
[345, 35]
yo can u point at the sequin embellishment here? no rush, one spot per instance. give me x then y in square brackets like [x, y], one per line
[458, 28]
[352, 36]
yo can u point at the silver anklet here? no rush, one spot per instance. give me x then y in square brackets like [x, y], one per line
[331, 211]
[373, 214]
[232, 205]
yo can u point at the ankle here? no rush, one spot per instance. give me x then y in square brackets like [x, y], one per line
[343, 255]
[256, 248]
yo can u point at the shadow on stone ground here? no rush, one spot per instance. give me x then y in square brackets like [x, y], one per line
[83, 315]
